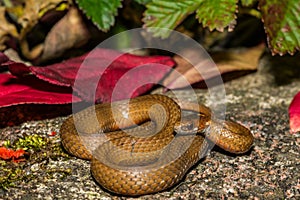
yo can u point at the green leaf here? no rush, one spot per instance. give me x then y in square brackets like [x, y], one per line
[248, 2]
[167, 14]
[101, 12]
[218, 14]
[281, 20]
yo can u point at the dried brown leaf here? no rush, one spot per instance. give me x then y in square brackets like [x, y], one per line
[69, 32]
[34, 10]
[237, 60]
[226, 61]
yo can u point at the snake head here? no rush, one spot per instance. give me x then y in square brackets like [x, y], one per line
[192, 124]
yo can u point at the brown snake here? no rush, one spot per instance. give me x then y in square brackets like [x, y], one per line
[137, 160]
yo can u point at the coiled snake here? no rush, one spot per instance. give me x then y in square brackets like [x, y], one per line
[134, 160]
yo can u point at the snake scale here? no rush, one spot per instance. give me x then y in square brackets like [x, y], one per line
[135, 160]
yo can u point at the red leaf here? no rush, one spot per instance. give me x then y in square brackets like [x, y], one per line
[30, 89]
[111, 66]
[7, 154]
[294, 112]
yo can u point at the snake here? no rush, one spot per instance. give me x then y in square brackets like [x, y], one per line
[145, 145]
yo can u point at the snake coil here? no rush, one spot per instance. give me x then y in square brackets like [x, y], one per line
[135, 160]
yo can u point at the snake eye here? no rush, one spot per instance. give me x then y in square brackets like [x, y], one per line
[186, 128]
[189, 126]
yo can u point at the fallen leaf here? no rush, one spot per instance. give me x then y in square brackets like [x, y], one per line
[34, 11]
[69, 32]
[112, 66]
[226, 62]
[294, 112]
[10, 154]
[29, 98]
[36, 93]
[30, 89]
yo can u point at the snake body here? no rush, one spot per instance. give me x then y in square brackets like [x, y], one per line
[135, 160]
